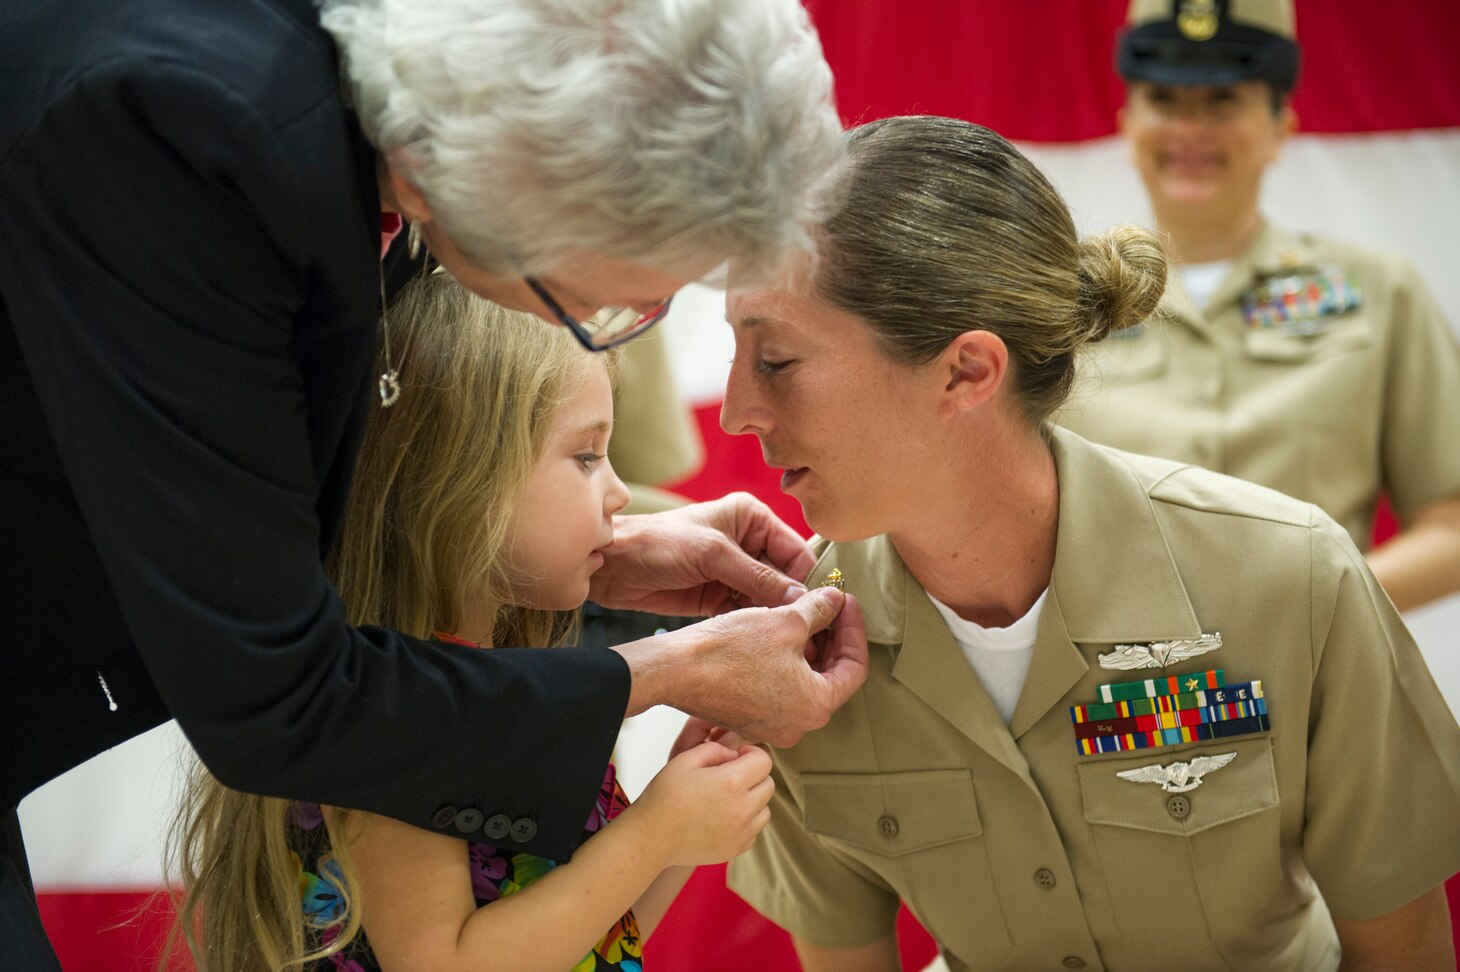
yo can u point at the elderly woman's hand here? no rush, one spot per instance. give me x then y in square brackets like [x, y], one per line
[769, 674]
[703, 560]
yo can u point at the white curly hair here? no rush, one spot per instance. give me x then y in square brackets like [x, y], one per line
[661, 131]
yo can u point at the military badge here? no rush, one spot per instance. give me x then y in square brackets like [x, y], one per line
[1159, 654]
[1197, 20]
[834, 579]
[1168, 711]
[1212, 678]
[1178, 777]
[1301, 301]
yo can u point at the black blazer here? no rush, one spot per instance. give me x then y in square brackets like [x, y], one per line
[189, 250]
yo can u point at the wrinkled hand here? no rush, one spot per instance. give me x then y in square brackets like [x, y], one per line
[773, 674]
[702, 560]
[708, 804]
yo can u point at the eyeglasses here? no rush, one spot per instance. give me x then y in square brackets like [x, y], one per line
[606, 329]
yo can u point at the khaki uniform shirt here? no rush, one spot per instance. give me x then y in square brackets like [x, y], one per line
[1018, 853]
[1369, 404]
[655, 438]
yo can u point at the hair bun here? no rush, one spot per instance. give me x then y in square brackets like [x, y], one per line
[1122, 276]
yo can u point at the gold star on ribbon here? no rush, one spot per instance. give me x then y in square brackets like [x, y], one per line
[1191, 684]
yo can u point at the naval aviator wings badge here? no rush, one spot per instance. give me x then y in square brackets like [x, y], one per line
[1159, 654]
[1178, 777]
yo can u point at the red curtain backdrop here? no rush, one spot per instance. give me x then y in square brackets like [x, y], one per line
[1036, 71]
[1042, 71]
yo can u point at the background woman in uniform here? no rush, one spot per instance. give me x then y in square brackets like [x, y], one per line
[1318, 368]
[1121, 712]
[194, 194]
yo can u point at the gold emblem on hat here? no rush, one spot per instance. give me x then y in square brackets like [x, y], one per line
[1197, 19]
[834, 579]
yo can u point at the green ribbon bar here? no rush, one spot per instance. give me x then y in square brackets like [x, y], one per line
[1163, 685]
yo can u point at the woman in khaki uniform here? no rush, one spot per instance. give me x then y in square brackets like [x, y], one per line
[1312, 366]
[1280, 780]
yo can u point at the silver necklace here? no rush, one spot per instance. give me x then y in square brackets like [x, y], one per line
[389, 383]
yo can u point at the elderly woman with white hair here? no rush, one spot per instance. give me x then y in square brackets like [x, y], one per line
[195, 197]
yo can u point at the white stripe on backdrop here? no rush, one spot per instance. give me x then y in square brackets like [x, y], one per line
[98, 827]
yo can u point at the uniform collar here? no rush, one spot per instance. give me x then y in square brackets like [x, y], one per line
[1271, 251]
[1113, 573]
[1114, 581]
[928, 661]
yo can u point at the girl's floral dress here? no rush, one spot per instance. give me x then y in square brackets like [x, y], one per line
[495, 873]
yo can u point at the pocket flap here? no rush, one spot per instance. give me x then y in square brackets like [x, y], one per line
[1244, 786]
[892, 813]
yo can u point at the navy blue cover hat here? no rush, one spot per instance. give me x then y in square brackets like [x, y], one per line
[1209, 42]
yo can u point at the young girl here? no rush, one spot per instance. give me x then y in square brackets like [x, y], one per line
[479, 509]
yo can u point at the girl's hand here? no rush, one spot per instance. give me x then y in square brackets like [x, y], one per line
[697, 730]
[707, 804]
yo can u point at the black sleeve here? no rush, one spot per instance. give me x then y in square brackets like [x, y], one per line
[154, 274]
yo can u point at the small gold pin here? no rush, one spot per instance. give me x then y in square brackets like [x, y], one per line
[834, 579]
[1198, 20]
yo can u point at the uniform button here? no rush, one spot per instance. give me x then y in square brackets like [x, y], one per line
[497, 826]
[467, 821]
[524, 829]
[443, 817]
[1044, 878]
[887, 826]
[1179, 806]
[1073, 962]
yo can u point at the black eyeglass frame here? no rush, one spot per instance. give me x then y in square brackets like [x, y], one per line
[584, 336]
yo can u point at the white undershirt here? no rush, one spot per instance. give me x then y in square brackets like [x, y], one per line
[999, 656]
[1201, 280]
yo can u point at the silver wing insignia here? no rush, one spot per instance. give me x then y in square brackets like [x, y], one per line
[1178, 777]
[1203, 765]
[1159, 654]
[1155, 773]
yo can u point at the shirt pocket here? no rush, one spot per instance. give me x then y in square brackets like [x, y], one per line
[921, 832]
[1207, 861]
[1339, 335]
[1139, 354]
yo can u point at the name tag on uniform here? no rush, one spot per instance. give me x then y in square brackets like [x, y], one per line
[1301, 301]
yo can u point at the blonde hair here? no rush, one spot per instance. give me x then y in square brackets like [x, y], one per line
[423, 541]
[947, 228]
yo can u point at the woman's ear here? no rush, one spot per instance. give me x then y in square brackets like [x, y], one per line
[974, 363]
[408, 200]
